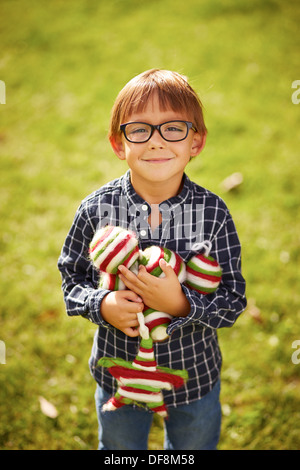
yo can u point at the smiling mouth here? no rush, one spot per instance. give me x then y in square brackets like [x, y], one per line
[158, 160]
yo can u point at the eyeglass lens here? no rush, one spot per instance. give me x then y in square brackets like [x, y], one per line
[171, 131]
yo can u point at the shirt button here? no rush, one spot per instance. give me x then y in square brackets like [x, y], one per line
[144, 207]
[143, 233]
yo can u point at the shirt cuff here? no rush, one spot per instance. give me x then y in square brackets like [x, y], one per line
[93, 307]
[195, 313]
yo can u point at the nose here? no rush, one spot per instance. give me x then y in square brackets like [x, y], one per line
[156, 140]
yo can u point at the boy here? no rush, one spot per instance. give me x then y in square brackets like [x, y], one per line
[157, 126]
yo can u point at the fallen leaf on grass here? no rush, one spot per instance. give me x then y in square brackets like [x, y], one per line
[47, 408]
[254, 311]
[48, 315]
[232, 182]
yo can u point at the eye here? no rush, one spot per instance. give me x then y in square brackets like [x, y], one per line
[138, 130]
[173, 129]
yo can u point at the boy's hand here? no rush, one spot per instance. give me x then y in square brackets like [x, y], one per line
[120, 308]
[163, 294]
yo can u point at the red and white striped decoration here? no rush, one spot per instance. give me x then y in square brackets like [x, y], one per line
[112, 246]
[203, 274]
[157, 321]
[112, 281]
[151, 256]
[141, 381]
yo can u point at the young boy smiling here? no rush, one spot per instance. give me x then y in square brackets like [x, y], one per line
[157, 126]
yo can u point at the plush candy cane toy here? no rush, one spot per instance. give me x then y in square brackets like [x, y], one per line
[141, 381]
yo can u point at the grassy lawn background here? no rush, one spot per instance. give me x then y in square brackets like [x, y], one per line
[63, 64]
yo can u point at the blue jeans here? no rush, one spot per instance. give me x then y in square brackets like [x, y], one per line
[189, 427]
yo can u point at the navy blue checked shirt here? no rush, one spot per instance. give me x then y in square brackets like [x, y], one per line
[193, 216]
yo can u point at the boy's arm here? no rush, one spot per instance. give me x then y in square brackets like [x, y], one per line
[79, 279]
[223, 307]
[80, 284]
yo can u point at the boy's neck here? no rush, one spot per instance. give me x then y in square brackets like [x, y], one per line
[157, 192]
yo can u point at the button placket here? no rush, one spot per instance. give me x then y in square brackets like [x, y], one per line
[143, 232]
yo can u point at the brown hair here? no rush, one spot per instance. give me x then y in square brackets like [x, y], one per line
[173, 92]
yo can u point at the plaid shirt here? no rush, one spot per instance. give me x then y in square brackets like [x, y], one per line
[189, 218]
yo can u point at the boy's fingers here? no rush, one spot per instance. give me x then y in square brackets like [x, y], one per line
[143, 274]
[134, 287]
[129, 278]
[133, 332]
[134, 322]
[126, 272]
[135, 308]
[132, 296]
[132, 302]
[167, 269]
[142, 269]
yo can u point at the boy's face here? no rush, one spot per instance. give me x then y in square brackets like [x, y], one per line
[158, 161]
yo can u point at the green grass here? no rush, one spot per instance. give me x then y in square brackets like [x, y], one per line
[63, 64]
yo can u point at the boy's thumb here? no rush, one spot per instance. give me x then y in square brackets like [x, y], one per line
[167, 269]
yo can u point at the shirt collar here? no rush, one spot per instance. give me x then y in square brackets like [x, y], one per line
[174, 201]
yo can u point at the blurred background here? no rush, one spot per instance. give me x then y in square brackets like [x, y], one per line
[61, 66]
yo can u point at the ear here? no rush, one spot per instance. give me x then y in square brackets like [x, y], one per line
[198, 144]
[117, 145]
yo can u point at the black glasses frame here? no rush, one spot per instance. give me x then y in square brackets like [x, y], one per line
[189, 125]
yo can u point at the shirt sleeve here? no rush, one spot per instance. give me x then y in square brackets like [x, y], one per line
[223, 307]
[79, 278]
